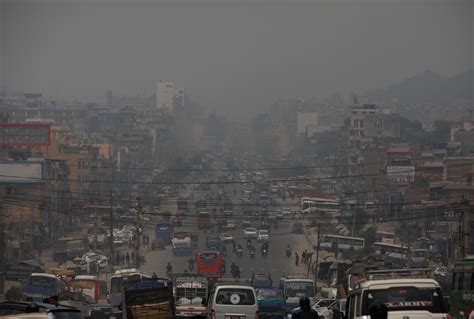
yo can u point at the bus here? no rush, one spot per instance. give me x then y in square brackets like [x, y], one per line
[204, 220]
[385, 237]
[296, 286]
[330, 242]
[462, 288]
[210, 263]
[91, 286]
[317, 204]
[41, 285]
[116, 283]
[401, 255]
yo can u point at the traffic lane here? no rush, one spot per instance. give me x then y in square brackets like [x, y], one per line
[276, 263]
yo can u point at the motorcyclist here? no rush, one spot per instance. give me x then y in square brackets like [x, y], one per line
[304, 311]
[169, 269]
[249, 242]
[288, 250]
[234, 268]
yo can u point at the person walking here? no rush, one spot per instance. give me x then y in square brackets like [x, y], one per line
[303, 257]
[127, 258]
[297, 259]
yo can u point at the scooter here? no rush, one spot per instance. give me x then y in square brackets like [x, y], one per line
[288, 252]
[252, 253]
[238, 252]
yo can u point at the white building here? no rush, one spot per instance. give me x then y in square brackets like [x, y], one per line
[165, 93]
[307, 123]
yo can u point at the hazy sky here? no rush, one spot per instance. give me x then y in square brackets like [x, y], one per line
[226, 53]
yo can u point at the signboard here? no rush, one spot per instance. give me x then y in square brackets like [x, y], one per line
[19, 213]
[401, 174]
[12, 134]
[22, 172]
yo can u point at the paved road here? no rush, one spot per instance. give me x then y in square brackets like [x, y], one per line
[276, 262]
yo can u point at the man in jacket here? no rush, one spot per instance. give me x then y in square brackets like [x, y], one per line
[304, 311]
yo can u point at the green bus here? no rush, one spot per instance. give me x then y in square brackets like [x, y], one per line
[462, 288]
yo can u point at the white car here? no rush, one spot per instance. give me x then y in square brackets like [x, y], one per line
[231, 224]
[286, 212]
[250, 233]
[225, 237]
[441, 271]
[280, 215]
[263, 235]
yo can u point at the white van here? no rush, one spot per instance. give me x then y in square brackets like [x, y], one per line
[404, 298]
[232, 301]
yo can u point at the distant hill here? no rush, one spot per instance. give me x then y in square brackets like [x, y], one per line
[429, 87]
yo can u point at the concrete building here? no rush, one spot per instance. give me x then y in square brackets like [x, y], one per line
[306, 123]
[165, 93]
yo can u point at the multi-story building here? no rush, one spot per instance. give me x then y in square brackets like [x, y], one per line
[165, 94]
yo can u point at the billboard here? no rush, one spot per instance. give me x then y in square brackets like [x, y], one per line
[16, 172]
[12, 134]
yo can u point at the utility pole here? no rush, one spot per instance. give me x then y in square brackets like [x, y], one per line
[95, 229]
[317, 256]
[137, 252]
[112, 229]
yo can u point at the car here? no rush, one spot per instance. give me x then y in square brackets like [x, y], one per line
[246, 222]
[297, 228]
[280, 215]
[88, 306]
[441, 272]
[250, 233]
[231, 224]
[286, 212]
[226, 238]
[228, 300]
[38, 310]
[263, 235]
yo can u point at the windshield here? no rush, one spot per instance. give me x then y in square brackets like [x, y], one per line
[407, 298]
[241, 297]
[420, 254]
[269, 293]
[43, 282]
[299, 289]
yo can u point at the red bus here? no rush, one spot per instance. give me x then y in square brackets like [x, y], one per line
[210, 263]
[204, 220]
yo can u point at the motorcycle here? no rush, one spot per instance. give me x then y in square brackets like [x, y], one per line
[264, 252]
[169, 273]
[288, 252]
[252, 253]
[191, 266]
[249, 244]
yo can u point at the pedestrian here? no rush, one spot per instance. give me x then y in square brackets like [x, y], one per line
[127, 258]
[303, 257]
[132, 257]
[297, 259]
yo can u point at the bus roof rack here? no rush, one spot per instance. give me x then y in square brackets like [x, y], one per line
[231, 281]
[295, 276]
[399, 273]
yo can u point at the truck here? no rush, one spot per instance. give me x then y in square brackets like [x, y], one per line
[148, 298]
[181, 244]
[164, 231]
[271, 303]
[190, 293]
